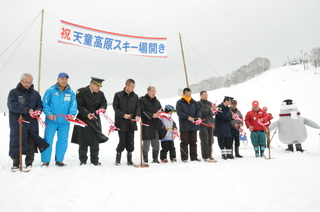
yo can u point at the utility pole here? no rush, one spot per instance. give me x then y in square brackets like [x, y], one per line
[40, 52]
[184, 62]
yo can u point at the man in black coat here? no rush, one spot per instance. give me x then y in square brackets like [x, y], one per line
[206, 132]
[236, 125]
[90, 99]
[150, 108]
[24, 100]
[223, 128]
[189, 112]
[127, 114]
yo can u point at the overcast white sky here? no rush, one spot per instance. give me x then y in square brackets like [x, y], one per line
[227, 34]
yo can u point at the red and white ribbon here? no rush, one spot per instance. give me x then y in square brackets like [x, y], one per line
[112, 127]
[236, 117]
[164, 115]
[36, 115]
[176, 134]
[263, 124]
[22, 120]
[215, 111]
[72, 120]
[199, 121]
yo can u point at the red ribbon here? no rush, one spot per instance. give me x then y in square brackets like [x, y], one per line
[199, 121]
[164, 115]
[236, 117]
[216, 111]
[73, 120]
[261, 123]
[22, 120]
[36, 115]
[176, 134]
[112, 127]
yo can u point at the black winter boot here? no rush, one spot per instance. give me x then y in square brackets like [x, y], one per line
[290, 148]
[155, 157]
[118, 159]
[229, 154]
[129, 159]
[236, 150]
[262, 148]
[256, 150]
[223, 154]
[145, 157]
[299, 148]
[15, 161]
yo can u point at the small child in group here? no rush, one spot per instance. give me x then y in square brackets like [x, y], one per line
[167, 143]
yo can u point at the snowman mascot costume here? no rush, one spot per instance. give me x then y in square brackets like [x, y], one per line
[291, 125]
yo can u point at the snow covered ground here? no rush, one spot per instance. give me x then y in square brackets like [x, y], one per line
[289, 182]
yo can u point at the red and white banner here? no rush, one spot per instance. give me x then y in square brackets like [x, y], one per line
[82, 36]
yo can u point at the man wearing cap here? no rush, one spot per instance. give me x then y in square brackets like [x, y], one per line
[206, 131]
[236, 124]
[223, 128]
[255, 120]
[127, 113]
[58, 100]
[90, 99]
[189, 113]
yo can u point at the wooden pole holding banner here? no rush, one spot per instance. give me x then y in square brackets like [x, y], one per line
[184, 62]
[40, 52]
[141, 164]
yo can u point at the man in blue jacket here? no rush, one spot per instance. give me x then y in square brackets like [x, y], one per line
[59, 99]
[24, 100]
[189, 112]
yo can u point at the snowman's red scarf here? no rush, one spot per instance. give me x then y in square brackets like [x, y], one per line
[288, 114]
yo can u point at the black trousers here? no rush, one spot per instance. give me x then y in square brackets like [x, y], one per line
[236, 140]
[29, 156]
[188, 138]
[94, 151]
[206, 137]
[167, 146]
[225, 142]
[126, 141]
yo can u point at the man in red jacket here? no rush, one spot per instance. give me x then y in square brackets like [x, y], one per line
[256, 120]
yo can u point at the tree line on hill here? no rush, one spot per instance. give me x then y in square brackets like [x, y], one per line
[242, 74]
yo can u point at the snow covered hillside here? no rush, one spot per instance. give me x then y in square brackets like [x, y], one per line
[289, 182]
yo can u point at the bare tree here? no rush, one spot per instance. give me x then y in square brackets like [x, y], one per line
[315, 55]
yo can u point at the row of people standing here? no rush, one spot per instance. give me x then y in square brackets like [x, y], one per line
[227, 124]
[60, 101]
